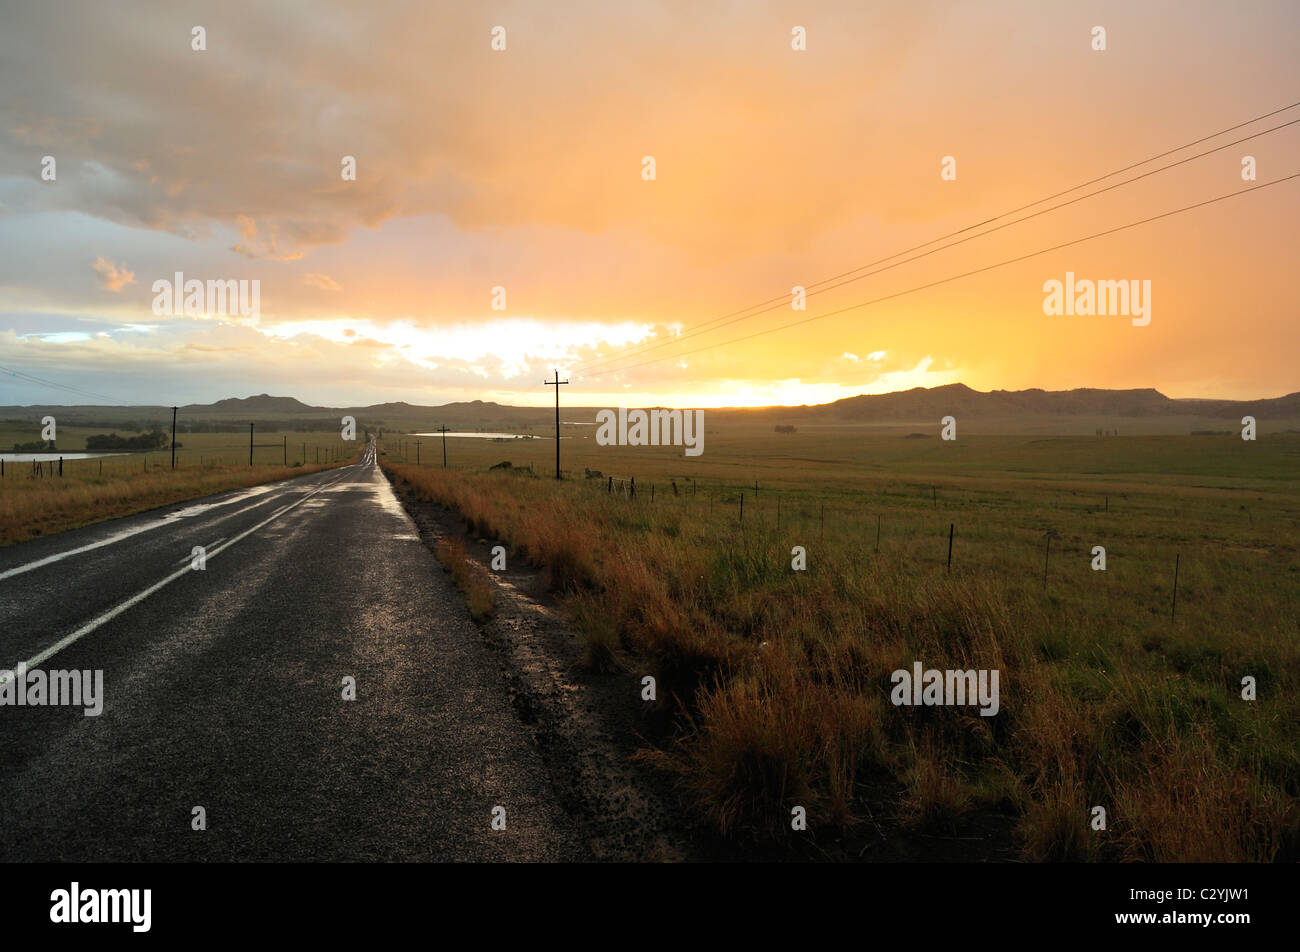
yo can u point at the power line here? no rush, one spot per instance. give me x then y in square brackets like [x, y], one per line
[967, 274]
[771, 303]
[31, 378]
[1042, 211]
[73, 390]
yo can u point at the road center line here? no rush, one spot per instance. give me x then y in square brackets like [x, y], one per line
[136, 599]
[121, 536]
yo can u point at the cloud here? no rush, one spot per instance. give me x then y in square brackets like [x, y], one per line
[111, 276]
[322, 281]
[522, 169]
[262, 243]
[244, 132]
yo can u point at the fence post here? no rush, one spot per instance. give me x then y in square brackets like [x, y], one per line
[1173, 609]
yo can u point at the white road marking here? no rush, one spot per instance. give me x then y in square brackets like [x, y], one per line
[166, 520]
[136, 599]
[185, 559]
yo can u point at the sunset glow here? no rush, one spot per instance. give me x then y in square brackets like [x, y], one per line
[774, 169]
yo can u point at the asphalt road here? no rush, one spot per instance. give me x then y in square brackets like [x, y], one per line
[223, 688]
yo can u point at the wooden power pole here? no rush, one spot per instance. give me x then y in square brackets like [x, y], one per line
[556, 383]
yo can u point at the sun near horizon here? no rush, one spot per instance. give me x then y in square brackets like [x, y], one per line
[695, 212]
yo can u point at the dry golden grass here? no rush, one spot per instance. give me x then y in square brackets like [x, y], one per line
[783, 676]
[34, 507]
[470, 577]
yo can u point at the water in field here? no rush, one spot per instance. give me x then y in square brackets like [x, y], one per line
[51, 457]
[485, 436]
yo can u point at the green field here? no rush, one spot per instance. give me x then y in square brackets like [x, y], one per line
[1112, 695]
[195, 449]
[42, 498]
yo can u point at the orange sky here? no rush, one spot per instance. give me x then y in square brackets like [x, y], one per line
[522, 169]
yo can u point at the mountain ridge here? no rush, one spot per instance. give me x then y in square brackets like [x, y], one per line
[916, 403]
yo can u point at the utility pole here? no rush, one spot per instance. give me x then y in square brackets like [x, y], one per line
[417, 452]
[250, 444]
[1173, 609]
[443, 431]
[173, 437]
[556, 383]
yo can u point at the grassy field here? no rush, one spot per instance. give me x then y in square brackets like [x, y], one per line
[38, 501]
[1109, 698]
[195, 449]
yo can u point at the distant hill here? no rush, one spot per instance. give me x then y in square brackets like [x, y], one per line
[960, 400]
[260, 404]
[920, 404]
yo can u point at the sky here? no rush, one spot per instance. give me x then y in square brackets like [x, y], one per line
[503, 224]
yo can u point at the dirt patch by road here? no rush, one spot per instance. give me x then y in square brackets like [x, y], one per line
[587, 725]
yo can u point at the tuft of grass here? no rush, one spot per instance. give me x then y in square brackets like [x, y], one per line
[470, 577]
[599, 631]
[937, 796]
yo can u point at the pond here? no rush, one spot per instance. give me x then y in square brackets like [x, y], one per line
[484, 436]
[51, 457]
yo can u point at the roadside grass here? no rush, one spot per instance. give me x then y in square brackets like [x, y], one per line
[31, 507]
[779, 683]
[470, 577]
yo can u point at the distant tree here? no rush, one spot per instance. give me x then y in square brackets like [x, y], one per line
[154, 440]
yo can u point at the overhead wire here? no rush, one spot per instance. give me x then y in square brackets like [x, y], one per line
[967, 274]
[590, 367]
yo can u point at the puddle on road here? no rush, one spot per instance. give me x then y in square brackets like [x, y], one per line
[381, 492]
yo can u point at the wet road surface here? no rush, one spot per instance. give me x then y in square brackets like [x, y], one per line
[223, 689]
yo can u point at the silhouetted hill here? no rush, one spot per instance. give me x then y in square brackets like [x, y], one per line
[920, 404]
[262, 403]
[960, 400]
